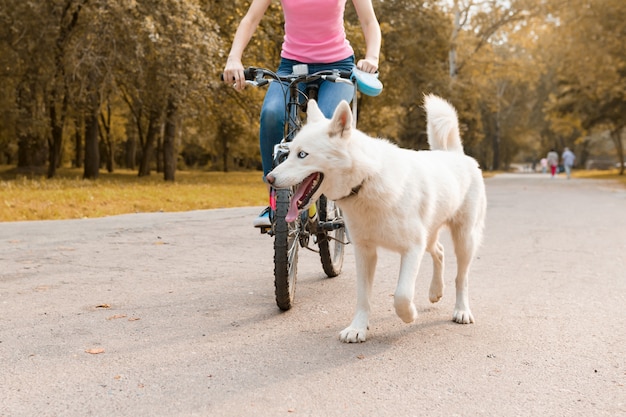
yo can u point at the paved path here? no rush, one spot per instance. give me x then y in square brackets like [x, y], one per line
[182, 306]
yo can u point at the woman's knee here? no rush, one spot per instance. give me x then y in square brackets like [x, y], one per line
[331, 95]
[273, 110]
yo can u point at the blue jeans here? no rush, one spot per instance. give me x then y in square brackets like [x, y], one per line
[273, 111]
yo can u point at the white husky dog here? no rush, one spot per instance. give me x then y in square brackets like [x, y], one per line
[393, 198]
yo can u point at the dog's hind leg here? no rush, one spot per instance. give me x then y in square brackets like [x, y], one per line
[435, 248]
[405, 290]
[465, 246]
[366, 258]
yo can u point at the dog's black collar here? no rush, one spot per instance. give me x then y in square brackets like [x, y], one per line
[353, 192]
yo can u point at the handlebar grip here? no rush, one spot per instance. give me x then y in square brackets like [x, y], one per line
[345, 74]
[249, 74]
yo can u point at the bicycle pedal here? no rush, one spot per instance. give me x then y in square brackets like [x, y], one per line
[332, 225]
[265, 229]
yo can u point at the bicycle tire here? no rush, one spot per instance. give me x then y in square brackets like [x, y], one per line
[285, 251]
[330, 243]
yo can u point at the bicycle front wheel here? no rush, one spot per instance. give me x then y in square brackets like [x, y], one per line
[285, 251]
[331, 240]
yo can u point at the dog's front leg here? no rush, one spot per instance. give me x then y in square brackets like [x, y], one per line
[405, 291]
[366, 258]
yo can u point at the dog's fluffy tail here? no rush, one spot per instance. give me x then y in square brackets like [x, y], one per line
[442, 125]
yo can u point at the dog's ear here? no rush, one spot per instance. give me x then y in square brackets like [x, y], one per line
[313, 112]
[341, 123]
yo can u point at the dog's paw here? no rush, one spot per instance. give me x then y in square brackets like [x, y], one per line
[406, 310]
[435, 295]
[463, 316]
[353, 335]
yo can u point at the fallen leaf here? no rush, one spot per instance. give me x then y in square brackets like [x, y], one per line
[95, 351]
[361, 356]
[117, 316]
[103, 306]
[134, 319]
[65, 248]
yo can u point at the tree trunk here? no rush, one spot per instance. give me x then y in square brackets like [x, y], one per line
[456, 27]
[169, 143]
[225, 152]
[78, 142]
[59, 88]
[616, 135]
[147, 151]
[109, 146]
[55, 141]
[92, 151]
[496, 145]
[31, 154]
[130, 151]
[159, 151]
[130, 146]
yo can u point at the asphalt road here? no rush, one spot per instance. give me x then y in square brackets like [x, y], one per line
[180, 307]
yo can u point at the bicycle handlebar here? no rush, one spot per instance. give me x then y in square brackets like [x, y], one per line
[366, 83]
[261, 76]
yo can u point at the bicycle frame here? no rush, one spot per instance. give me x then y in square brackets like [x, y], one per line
[293, 123]
[325, 226]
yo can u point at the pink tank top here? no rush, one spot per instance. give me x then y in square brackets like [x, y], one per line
[314, 31]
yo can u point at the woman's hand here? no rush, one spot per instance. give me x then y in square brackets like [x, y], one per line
[368, 65]
[233, 73]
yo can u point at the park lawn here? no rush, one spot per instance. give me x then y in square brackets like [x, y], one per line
[611, 174]
[68, 196]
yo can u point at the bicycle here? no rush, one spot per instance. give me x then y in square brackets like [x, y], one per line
[323, 220]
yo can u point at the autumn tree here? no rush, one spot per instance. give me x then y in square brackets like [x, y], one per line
[236, 129]
[26, 43]
[412, 62]
[168, 59]
[137, 80]
[590, 62]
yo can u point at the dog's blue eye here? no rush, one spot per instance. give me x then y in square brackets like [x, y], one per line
[302, 154]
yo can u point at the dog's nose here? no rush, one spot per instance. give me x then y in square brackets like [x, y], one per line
[269, 178]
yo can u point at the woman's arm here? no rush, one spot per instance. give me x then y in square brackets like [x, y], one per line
[371, 32]
[233, 71]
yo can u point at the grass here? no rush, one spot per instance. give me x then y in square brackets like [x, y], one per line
[611, 174]
[67, 196]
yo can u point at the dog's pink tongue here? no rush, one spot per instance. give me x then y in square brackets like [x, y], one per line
[292, 214]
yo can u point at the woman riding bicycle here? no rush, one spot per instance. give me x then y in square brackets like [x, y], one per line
[314, 35]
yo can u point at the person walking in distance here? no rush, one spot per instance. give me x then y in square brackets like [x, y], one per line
[568, 159]
[553, 161]
[314, 35]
